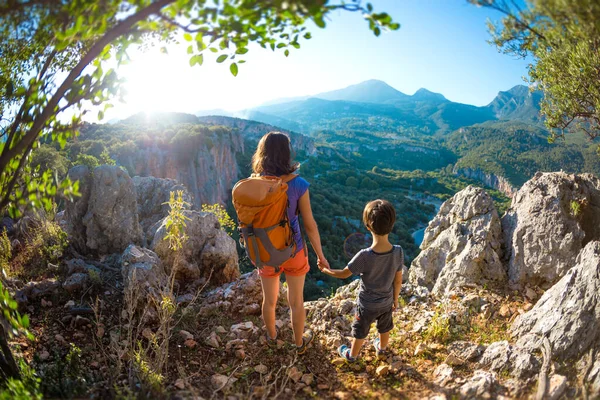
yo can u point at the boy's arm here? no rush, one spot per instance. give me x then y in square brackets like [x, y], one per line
[397, 287]
[337, 273]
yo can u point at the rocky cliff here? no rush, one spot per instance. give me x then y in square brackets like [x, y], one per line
[490, 180]
[208, 168]
[253, 131]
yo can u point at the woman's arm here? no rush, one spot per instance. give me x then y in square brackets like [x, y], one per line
[310, 226]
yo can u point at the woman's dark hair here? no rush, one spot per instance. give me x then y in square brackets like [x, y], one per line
[379, 217]
[273, 155]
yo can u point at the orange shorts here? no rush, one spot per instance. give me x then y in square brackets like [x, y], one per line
[295, 266]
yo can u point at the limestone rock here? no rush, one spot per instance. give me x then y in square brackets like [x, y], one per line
[550, 219]
[76, 209]
[209, 251]
[76, 282]
[143, 278]
[152, 194]
[261, 369]
[111, 220]
[462, 244]
[478, 385]
[35, 290]
[222, 382]
[443, 374]
[568, 313]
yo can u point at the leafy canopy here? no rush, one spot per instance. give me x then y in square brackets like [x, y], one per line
[563, 37]
[63, 56]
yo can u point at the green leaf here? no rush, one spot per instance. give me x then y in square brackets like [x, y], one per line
[286, 52]
[187, 37]
[241, 50]
[222, 58]
[234, 69]
[100, 115]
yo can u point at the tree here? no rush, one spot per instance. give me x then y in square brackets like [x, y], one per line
[55, 57]
[563, 37]
[56, 60]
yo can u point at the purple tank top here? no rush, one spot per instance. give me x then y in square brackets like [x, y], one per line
[296, 189]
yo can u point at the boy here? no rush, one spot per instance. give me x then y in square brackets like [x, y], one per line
[380, 270]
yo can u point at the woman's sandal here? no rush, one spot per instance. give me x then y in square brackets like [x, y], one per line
[307, 339]
[273, 342]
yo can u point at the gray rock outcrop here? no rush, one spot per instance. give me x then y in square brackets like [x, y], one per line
[75, 210]
[550, 220]
[104, 219]
[462, 244]
[143, 278]
[111, 220]
[152, 194]
[569, 313]
[208, 251]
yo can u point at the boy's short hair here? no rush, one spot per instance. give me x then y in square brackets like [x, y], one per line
[379, 216]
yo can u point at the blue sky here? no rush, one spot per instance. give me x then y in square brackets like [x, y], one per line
[440, 46]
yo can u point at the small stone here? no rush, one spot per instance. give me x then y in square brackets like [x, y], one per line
[220, 329]
[307, 379]
[44, 355]
[420, 349]
[452, 359]
[70, 304]
[94, 364]
[190, 343]
[382, 370]
[185, 335]
[530, 294]
[443, 374]
[46, 303]
[219, 381]
[180, 384]
[213, 340]
[240, 354]
[527, 306]
[60, 339]
[323, 386]
[294, 374]
[100, 331]
[558, 384]
[505, 311]
[107, 293]
[342, 395]
[261, 369]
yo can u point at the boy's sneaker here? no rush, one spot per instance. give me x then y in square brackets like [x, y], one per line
[307, 339]
[379, 352]
[344, 352]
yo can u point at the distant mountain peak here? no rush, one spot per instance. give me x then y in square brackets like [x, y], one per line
[424, 94]
[370, 91]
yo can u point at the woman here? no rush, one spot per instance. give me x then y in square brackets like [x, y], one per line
[273, 158]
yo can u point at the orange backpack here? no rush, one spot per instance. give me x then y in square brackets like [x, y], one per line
[261, 204]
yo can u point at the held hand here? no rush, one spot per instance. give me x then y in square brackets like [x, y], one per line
[322, 263]
[395, 306]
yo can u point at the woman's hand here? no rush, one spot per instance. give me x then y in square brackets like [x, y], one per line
[322, 263]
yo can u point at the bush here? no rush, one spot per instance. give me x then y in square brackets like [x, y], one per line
[85, 159]
[44, 244]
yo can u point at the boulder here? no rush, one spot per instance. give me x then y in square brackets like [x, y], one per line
[152, 198]
[551, 218]
[461, 245]
[76, 282]
[143, 278]
[75, 210]
[111, 219]
[208, 251]
[569, 313]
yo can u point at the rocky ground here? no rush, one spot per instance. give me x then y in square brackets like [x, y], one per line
[493, 307]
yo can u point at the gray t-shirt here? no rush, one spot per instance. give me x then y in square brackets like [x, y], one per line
[377, 272]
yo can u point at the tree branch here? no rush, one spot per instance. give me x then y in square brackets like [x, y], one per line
[120, 29]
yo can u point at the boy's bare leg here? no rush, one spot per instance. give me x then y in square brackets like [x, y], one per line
[356, 345]
[270, 289]
[384, 339]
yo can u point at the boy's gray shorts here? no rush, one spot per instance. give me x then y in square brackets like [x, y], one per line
[364, 318]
